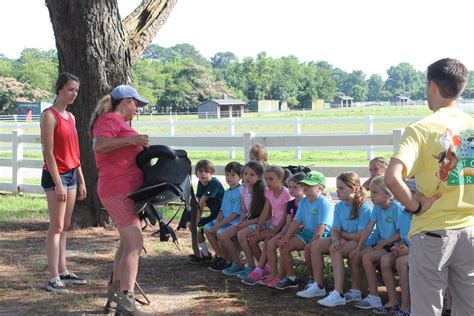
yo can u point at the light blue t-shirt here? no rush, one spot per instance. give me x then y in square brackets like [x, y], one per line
[313, 214]
[342, 213]
[231, 203]
[403, 224]
[386, 219]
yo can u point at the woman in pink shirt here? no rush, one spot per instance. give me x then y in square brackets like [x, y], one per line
[116, 146]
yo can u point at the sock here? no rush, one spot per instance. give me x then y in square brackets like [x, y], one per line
[55, 279]
[203, 247]
[64, 273]
[292, 278]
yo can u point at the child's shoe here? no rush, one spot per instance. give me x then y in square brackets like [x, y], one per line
[269, 282]
[311, 291]
[245, 272]
[233, 269]
[199, 260]
[386, 310]
[219, 264]
[333, 299]
[353, 295]
[370, 302]
[253, 277]
[286, 283]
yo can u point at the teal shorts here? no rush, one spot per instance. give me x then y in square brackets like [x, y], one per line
[305, 235]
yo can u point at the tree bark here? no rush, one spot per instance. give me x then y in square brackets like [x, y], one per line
[93, 44]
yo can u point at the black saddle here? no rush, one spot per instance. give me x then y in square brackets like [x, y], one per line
[296, 169]
[165, 180]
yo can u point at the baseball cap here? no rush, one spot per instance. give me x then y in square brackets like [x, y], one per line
[124, 92]
[314, 178]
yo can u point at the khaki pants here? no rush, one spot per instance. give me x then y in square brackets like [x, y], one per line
[436, 263]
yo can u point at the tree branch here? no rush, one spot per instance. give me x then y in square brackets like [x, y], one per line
[144, 22]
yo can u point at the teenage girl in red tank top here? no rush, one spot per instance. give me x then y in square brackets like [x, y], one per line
[62, 178]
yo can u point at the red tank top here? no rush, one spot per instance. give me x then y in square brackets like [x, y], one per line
[66, 143]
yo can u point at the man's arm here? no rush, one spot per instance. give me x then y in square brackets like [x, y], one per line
[394, 181]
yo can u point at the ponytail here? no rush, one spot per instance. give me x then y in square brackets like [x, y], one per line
[359, 199]
[258, 190]
[106, 104]
[258, 199]
[352, 180]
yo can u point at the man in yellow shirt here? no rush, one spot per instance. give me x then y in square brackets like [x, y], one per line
[438, 151]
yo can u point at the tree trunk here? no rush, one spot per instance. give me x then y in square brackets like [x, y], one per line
[93, 44]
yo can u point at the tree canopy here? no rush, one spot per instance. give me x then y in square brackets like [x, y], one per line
[178, 78]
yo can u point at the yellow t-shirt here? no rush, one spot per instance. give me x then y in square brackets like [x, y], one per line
[438, 151]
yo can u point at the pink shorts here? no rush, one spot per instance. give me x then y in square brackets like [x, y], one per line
[121, 209]
[343, 241]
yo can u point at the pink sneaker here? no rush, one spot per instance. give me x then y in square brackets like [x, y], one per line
[266, 270]
[255, 275]
[270, 282]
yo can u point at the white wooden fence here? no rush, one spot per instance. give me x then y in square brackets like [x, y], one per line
[209, 142]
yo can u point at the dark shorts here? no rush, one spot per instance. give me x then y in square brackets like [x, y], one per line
[387, 248]
[69, 180]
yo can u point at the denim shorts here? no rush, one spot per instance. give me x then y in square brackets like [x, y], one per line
[69, 180]
[211, 224]
[266, 225]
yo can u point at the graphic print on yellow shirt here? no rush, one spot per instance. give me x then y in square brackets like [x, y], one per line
[456, 163]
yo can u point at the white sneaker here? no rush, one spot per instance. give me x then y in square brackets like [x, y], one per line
[370, 302]
[353, 295]
[312, 290]
[333, 299]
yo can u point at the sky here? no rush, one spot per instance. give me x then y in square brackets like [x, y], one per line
[367, 35]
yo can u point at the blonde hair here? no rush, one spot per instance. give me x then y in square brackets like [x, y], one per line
[381, 161]
[105, 104]
[258, 152]
[380, 183]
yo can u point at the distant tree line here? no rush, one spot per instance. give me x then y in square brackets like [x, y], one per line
[178, 78]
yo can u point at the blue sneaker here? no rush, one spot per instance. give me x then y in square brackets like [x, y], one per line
[233, 269]
[245, 272]
[286, 283]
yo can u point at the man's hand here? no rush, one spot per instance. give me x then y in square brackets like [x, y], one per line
[426, 202]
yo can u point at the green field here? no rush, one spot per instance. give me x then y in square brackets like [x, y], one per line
[321, 158]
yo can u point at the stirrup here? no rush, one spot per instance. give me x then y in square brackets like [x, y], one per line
[143, 294]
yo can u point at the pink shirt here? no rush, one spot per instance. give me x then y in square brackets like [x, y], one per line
[278, 204]
[247, 197]
[118, 172]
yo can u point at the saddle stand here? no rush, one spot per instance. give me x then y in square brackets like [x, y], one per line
[165, 180]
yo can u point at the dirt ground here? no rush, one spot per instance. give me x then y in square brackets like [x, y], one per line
[173, 285]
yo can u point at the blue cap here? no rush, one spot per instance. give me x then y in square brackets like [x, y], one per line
[124, 92]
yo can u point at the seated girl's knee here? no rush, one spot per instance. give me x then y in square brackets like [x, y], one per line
[402, 263]
[386, 261]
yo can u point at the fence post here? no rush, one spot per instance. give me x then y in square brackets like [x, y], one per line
[17, 151]
[232, 133]
[297, 133]
[370, 130]
[171, 127]
[397, 136]
[247, 143]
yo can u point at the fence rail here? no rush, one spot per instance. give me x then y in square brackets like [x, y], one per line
[241, 142]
